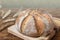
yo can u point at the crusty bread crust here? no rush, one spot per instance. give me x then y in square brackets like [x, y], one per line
[42, 22]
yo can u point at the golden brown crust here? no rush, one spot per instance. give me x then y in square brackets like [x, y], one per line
[50, 20]
[23, 25]
[39, 23]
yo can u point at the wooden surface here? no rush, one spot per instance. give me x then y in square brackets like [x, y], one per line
[4, 35]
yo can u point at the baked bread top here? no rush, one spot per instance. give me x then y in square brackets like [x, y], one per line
[35, 23]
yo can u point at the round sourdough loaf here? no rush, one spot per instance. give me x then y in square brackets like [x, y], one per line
[35, 22]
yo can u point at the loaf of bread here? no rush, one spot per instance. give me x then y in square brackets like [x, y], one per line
[35, 23]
